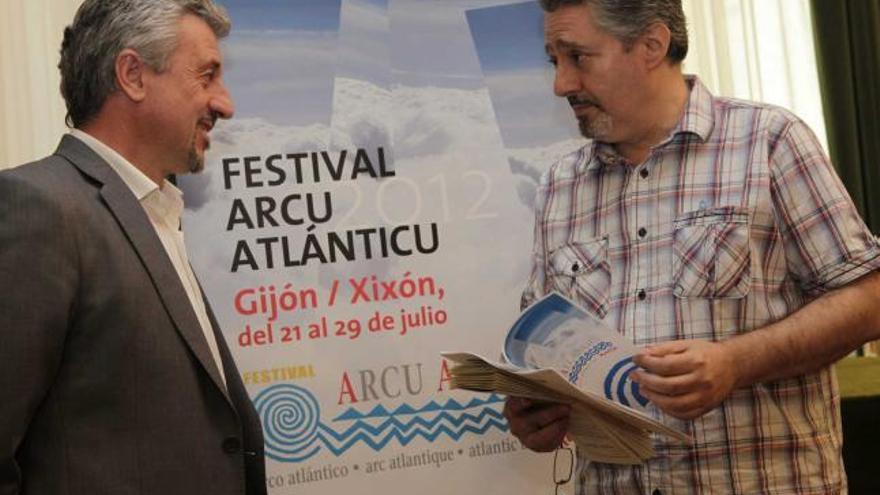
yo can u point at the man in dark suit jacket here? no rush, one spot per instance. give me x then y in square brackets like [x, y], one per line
[115, 376]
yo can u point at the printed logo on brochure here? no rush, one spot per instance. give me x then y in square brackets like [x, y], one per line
[620, 387]
[601, 349]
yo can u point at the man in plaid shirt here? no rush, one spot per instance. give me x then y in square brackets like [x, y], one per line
[715, 233]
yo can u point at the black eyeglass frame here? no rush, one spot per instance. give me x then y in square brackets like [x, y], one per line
[562, 480]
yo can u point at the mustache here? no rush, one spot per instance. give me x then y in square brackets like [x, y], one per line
[575, 100]
[209, 120]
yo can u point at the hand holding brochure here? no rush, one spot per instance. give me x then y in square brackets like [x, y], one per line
[557, 352]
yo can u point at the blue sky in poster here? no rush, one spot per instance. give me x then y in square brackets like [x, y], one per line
[509, 41]
[281, 59]
[309, 15]
[508, 37]
[365, 41]
[432, 45]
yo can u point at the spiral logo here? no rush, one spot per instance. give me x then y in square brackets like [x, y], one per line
[619, 387]
[294, 432]
[290, 417]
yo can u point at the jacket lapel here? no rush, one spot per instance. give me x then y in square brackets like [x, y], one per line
[137, 227]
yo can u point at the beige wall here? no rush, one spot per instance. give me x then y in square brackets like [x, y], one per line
[31, 108]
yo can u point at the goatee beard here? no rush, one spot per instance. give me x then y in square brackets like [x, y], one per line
[195, 163]
[598, 128]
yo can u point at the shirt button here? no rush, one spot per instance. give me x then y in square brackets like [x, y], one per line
[642, 295]
[231, 445]
[643, 173]
[643, 232]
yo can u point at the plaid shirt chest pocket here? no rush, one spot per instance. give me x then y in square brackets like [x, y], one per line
[580, 271]
[711, 255]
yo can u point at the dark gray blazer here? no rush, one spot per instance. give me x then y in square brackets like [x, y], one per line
[108, 386]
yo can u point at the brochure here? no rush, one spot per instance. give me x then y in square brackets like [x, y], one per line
[557, 352]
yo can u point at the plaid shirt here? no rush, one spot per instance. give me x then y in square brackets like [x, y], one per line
[733, 222]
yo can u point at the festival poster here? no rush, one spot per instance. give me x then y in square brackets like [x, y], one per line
[358, 216]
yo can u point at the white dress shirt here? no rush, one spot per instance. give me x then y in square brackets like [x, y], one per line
[164, 207]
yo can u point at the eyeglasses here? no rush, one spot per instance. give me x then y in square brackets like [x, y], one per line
[561, 473]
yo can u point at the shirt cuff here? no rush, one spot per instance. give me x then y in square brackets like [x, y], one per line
[836, 276]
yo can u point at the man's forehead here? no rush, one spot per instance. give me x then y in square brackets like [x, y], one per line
[562, 43]
[572, 28]
[196, 37]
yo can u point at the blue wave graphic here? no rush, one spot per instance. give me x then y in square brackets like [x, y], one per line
[294, 432]
[617, 382]
[450, 405]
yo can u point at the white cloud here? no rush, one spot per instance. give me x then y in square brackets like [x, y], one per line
[431, 120]
[540, 158]
[362, 114]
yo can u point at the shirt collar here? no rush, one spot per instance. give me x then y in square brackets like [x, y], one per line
[698, 119]
[137, 181]
[699, 112]
[166, 202]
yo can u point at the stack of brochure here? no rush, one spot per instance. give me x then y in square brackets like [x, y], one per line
[557, 352]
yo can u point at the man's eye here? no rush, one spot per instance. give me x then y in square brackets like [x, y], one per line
[552, 61]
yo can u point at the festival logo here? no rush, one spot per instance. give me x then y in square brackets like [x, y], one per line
[294, 430]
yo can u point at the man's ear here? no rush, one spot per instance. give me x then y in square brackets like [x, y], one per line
[130, 72]
[655, 42]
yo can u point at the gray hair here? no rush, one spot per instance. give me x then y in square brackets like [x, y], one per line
[103, 28]
[626, 20]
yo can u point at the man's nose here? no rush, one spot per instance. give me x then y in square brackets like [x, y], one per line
[221, 103]
[565, 82]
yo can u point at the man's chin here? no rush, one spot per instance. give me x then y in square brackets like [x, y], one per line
[599, 129]
[195, 162]
[197, 167]
[586, 129]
